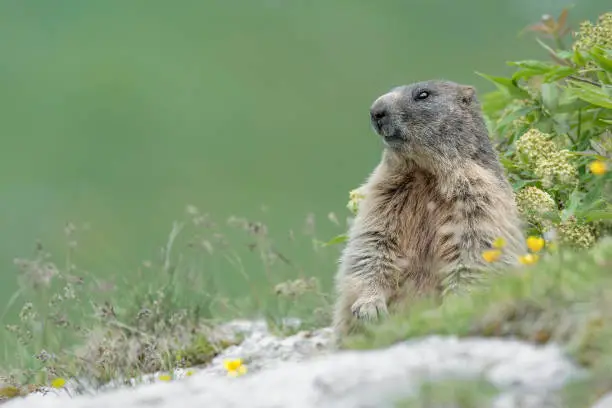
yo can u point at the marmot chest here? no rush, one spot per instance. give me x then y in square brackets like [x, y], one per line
[413, 211]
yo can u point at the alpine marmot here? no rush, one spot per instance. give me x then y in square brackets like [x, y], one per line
[435, 202]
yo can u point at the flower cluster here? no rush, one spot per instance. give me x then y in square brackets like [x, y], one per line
[577, 234]
[532, 203]
[355, 197]
[556, 168]
[590, 34]
[548, 163]
[535, 145]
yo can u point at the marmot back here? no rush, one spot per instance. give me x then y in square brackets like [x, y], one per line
[435, 202]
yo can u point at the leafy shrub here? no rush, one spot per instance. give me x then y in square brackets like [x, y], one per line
[550, 123]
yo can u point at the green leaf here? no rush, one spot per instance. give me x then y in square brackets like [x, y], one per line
[506, 85]
[592, 94]
[507, 162]
[590, 154]
[578, 58]
[603, 77]
[546, 46]
[519, 184]
[596, 215]
[564, 54]
[515, 115]
[599, 149]
[572, 204]
[550, 96]
[574, 105]
[530, 68]
[534, 65]
[559, 73]
[599, 56]
[526, 74]
[557, 55]
[336, 240]
[493, 103]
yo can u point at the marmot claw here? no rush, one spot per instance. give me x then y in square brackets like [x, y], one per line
[369, 309]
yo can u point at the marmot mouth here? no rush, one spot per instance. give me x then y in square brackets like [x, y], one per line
[392, 140]
[382, 130]
[389, 135]
[377, 127]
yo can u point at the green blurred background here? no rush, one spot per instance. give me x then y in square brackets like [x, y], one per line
[121, 112]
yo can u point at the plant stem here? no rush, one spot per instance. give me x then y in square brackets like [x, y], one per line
[587, 81]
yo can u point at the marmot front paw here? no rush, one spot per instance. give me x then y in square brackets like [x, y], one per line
[370, 308]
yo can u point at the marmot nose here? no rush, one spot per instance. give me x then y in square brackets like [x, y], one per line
[378, 112]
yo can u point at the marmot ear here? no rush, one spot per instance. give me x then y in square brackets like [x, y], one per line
[467, 94]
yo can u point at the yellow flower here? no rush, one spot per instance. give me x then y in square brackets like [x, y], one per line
[529, 259]
[499, 243]
[535, 243]
[189, 373]
[235, 367]
[165, 377]
[491, 255]
[598, 167]
[59, 382]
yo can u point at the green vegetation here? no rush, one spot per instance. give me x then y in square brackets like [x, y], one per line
[460, 394]
[565, 299]
[73, 325]
[551, 123]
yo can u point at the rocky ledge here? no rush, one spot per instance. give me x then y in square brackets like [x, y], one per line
[303, 370]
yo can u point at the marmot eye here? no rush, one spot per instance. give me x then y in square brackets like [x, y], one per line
[422, 95]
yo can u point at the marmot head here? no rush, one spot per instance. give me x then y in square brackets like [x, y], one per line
[431, 120]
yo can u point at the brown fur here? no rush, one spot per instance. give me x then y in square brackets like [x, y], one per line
[426, 216]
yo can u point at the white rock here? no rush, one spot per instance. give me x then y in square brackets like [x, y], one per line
[280, 376]
[604, 402]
